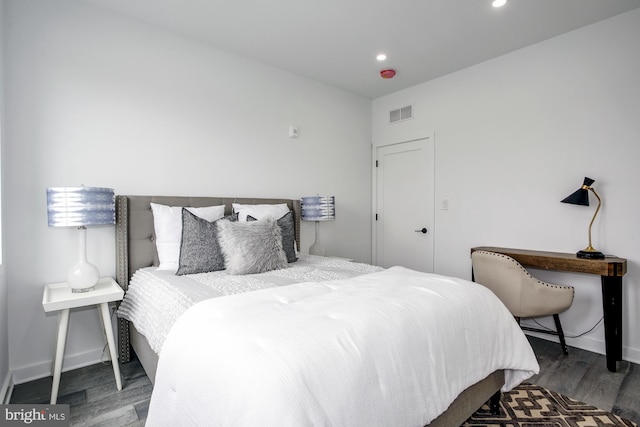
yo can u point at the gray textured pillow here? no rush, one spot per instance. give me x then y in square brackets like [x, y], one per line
[200, 251]
[288, 229]
[251, 247]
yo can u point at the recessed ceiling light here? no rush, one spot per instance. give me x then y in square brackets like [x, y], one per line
[381, 57]
[498, 3]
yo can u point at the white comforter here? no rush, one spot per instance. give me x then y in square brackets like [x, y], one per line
[393, 348]
[157, 298]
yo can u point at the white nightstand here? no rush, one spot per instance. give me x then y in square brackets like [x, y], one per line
[58, 297]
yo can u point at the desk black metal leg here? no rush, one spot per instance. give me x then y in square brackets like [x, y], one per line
[612, 307]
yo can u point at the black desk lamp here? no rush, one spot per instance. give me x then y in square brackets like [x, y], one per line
[581, 197]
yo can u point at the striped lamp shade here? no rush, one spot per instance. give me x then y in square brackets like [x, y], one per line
[318, 208]
[80, 206]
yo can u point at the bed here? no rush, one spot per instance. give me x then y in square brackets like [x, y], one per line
[136, 250]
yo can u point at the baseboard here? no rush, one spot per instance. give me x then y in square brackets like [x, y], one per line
[629, 354]
[7, 388]
[44, 369]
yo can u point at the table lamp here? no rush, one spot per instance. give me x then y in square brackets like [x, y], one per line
[581, 197]
[318, 208]
[81, 207]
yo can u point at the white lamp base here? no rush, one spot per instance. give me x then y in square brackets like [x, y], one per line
[82, 276]
[317, 248]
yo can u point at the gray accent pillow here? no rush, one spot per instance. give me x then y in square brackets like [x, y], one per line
[251, 247]
[200, 251]
[288, 229]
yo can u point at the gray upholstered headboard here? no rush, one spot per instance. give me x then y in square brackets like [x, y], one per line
[135, 238]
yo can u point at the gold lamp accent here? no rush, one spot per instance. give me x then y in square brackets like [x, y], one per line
[581, 197]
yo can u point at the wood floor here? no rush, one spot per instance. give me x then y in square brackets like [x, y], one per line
[94, 400]
[583, 376]
[92, 395]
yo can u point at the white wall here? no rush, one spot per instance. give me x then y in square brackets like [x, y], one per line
[517, 134]
[96, 99]
[4, 308]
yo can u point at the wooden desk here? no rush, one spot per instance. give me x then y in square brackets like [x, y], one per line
[610, 269]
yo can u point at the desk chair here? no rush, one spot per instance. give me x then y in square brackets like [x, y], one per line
[524, 295]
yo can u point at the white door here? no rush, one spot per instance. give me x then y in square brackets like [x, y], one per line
[404, 205]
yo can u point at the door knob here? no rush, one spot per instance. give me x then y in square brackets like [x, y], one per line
[423, 231]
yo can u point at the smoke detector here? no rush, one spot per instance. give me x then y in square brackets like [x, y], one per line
[389, 73]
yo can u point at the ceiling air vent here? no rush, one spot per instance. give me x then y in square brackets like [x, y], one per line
[401, 114]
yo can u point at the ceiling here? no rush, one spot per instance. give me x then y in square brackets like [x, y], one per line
[336, 41]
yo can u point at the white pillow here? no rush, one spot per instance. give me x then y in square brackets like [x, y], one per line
[167, 222]
[260, 211]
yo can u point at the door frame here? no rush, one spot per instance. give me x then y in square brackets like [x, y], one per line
[374, 193]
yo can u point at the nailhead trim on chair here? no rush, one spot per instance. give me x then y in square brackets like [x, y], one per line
[551, 285]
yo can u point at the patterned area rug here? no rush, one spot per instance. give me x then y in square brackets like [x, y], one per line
[532, 406]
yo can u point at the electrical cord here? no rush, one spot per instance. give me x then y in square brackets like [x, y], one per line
[104, 362]
[571, 336]
[104, 333]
